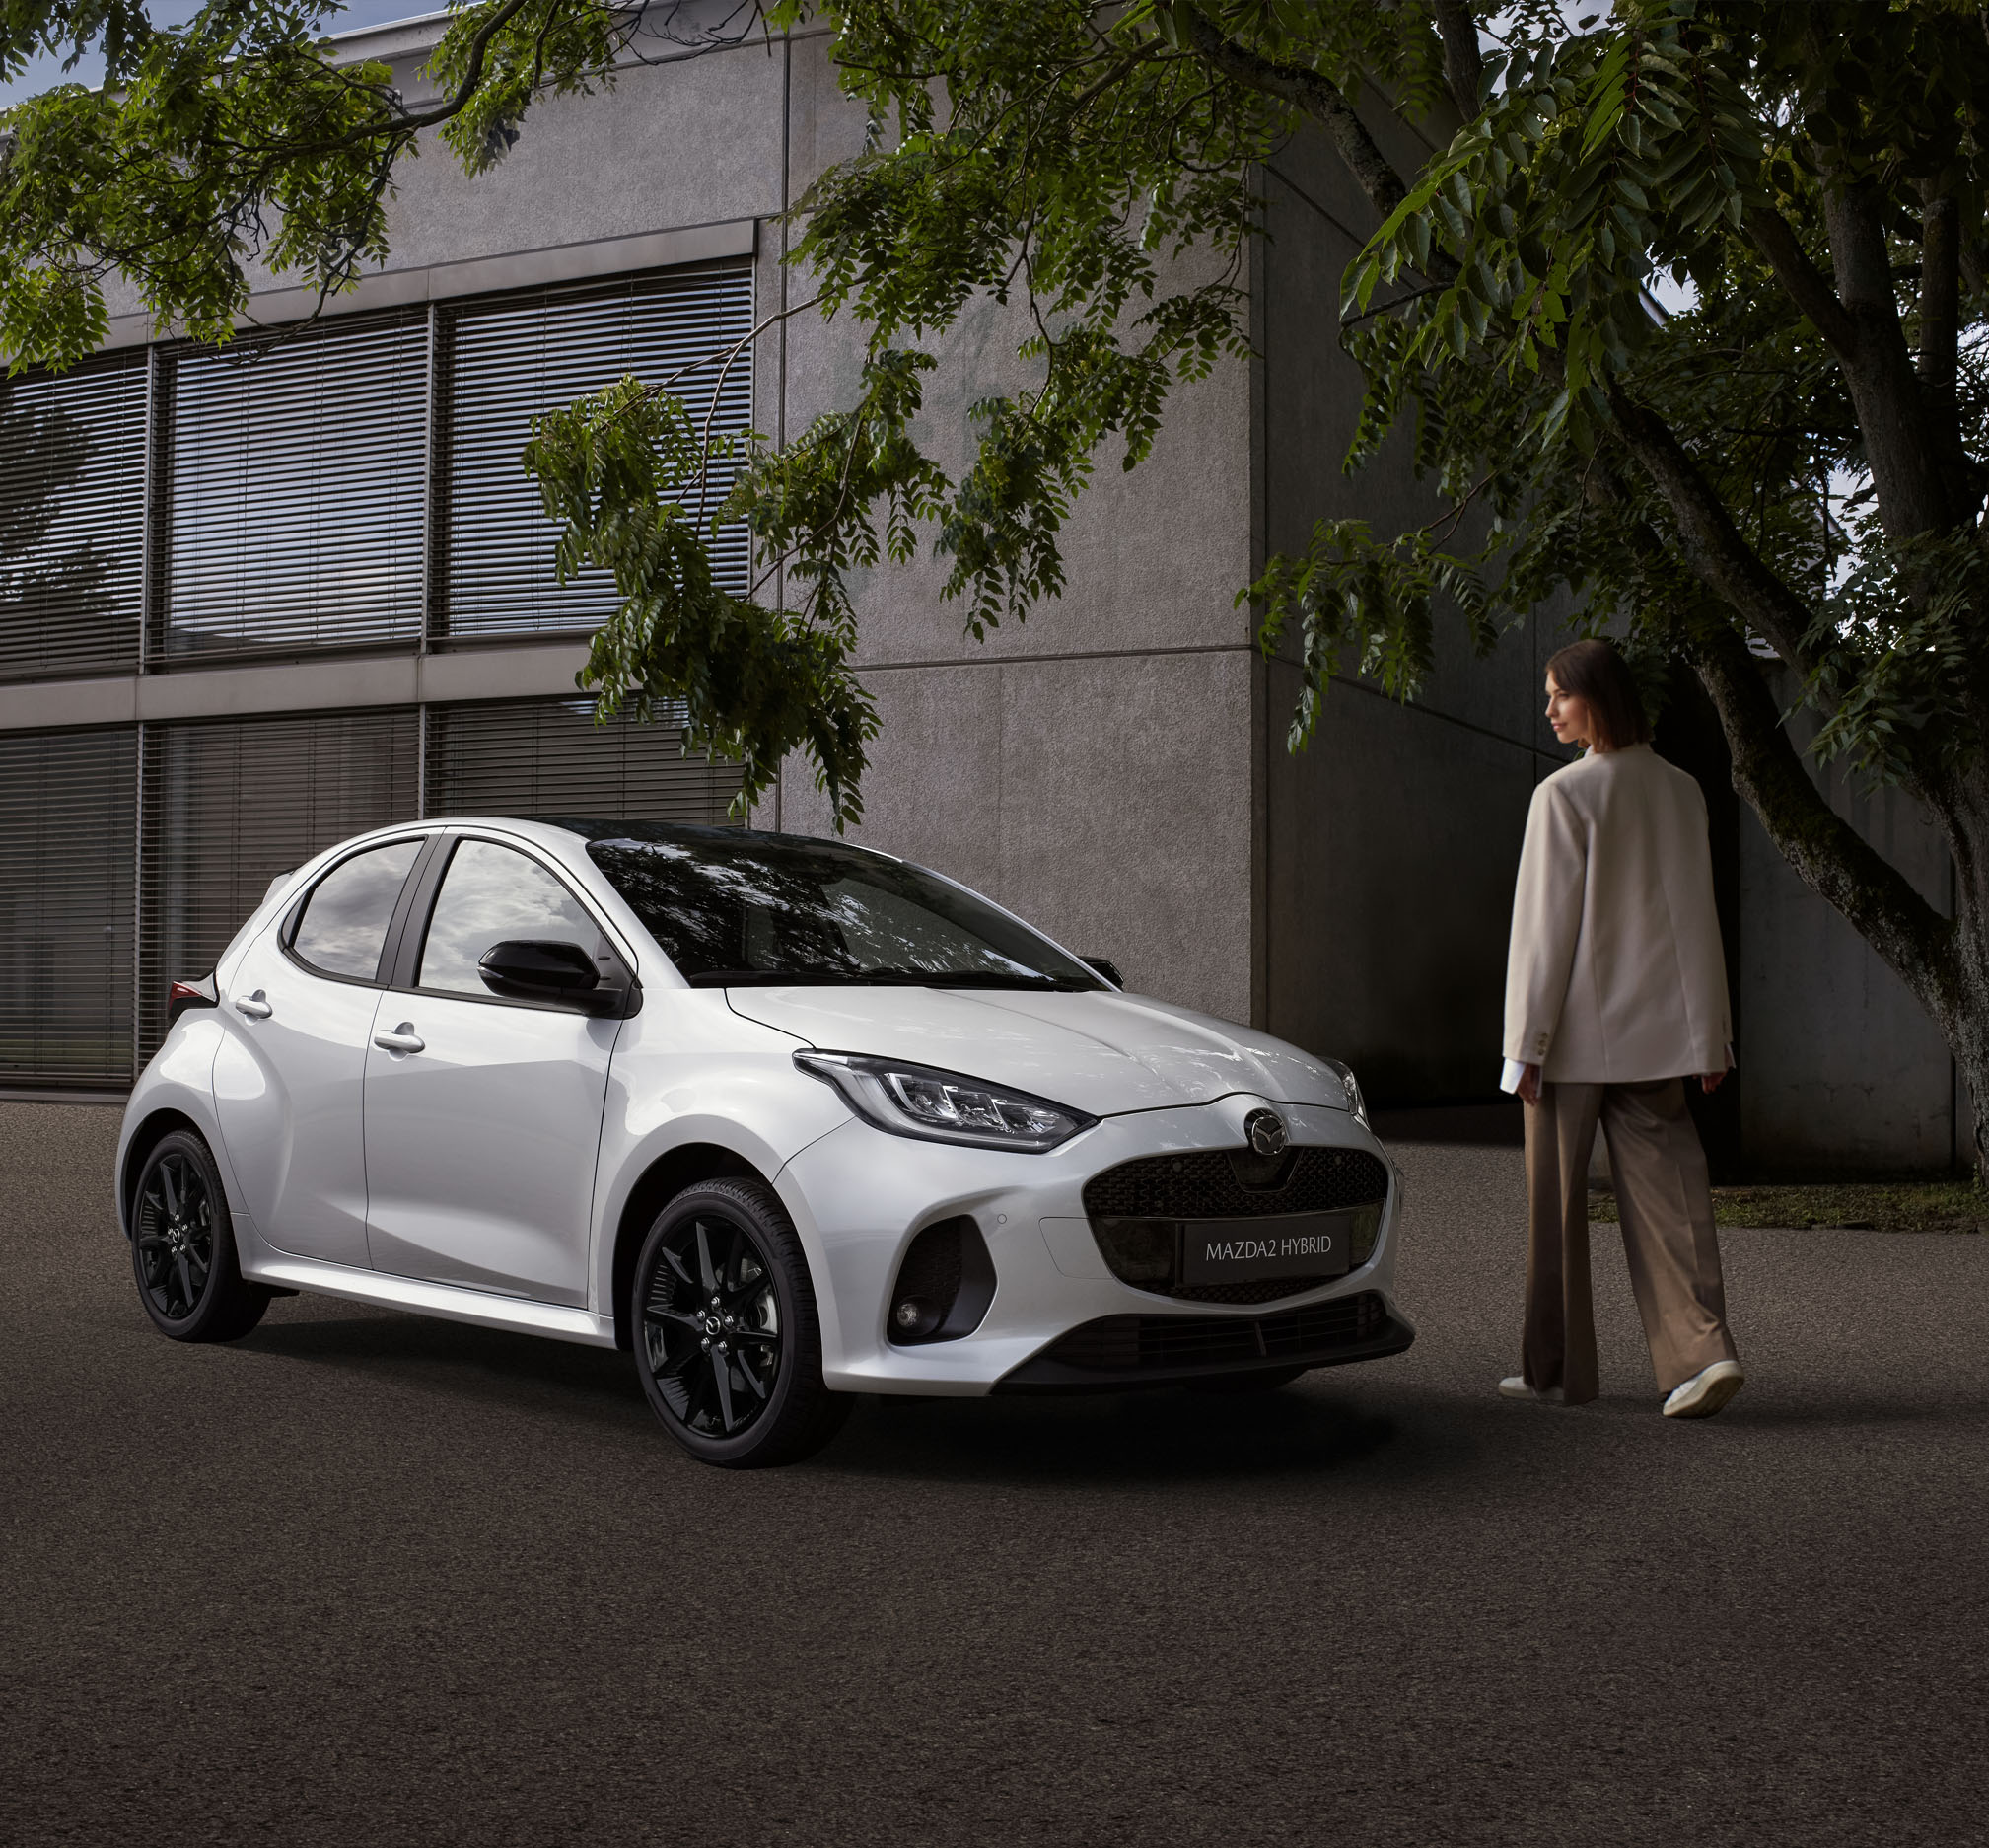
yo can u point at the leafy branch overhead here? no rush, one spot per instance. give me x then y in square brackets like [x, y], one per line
[1790, 464]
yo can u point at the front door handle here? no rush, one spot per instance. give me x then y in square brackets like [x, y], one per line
[256, 1006]
[403, 1038]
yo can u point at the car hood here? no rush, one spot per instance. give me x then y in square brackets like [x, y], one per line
[1104, 1053]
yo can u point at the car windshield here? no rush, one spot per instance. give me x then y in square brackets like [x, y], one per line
[731, 909]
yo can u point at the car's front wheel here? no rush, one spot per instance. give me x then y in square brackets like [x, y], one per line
[182, 1247]
[728, 1340]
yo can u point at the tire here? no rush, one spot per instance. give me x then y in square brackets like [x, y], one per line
[182, 1247]
[728, 1340]
[1267, 1380]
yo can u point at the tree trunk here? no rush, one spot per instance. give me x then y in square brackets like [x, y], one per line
[1943, 961]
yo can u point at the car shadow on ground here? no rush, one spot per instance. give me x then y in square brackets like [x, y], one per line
[486, 1365]
[1160, 1436]
[1164, 1435]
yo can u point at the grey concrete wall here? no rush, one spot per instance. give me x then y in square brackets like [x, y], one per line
[1089, 767]
[1394, 837]
[1840, 1068]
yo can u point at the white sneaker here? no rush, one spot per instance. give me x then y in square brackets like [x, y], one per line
[1515, 1386]
[1706, 1391]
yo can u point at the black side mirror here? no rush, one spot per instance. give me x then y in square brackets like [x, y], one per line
[528, 970]
[1109, 970]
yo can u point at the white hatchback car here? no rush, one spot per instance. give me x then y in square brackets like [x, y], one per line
[788, 1118]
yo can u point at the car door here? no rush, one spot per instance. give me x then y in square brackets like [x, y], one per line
[483, 1112]
[290, 1075]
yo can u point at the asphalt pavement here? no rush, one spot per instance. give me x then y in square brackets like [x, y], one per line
[367, 1579]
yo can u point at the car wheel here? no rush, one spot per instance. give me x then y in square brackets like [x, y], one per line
[1268, 1380]
[728, 1340]
[182, 1248]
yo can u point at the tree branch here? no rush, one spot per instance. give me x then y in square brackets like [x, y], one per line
[1807, 285]
[1464, 65]
[1901, 444]
[1829, 854]
[1718, 556]
[1938, 361]
[1318, 95]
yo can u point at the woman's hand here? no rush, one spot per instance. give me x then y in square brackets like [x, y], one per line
[1530, 1084]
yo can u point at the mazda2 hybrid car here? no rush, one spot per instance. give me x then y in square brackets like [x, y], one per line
[787, 1119]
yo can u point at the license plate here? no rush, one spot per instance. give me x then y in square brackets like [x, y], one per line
[1245, 1250]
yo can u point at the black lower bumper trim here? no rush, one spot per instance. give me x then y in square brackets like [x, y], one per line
[1121, 1352]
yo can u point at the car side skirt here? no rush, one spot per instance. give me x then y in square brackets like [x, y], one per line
[479, 1307]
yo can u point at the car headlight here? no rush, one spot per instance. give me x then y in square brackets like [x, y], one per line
[944, 1106]
[1356, 1103]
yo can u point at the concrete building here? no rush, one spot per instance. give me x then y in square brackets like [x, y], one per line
[249, 605]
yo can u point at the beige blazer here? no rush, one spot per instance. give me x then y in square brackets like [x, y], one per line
[1615, 974]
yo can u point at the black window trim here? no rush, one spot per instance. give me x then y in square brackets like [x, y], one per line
[286, 932]
[419, 902]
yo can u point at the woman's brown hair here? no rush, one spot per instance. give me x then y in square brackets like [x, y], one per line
[1593, 671]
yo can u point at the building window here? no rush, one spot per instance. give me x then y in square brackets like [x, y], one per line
[548, 757]
[72, 519]
[511, 360]
[66, 839]
[230, 803]
[297, 471]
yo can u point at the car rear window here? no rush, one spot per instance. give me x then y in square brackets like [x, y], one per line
[344, 928]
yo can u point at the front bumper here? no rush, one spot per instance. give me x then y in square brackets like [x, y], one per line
[859, 1196]
[1124, 1352]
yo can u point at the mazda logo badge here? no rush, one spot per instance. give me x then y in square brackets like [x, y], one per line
[1267, 1132]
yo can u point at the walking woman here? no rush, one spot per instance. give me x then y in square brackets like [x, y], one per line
[1616, 996]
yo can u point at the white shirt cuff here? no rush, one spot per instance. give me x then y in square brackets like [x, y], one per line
[1515, 1070]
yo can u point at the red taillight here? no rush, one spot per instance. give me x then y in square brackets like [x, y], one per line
[184, 995]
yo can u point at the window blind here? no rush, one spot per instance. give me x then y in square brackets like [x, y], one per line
[298, 473]
[549, 758]
[511, 360]
[66, 838]
[230, 803]
[72, 519]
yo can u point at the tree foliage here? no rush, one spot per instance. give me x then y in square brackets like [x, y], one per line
[1791, 465]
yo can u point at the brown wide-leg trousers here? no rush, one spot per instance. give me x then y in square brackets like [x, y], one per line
[1665, 1200]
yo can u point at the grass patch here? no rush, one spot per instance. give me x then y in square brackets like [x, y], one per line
[1853, 1205]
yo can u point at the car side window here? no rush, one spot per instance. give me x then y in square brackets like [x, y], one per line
[344, 926]
[491, 893]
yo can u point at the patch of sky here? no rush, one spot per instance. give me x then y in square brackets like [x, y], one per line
[45, 70]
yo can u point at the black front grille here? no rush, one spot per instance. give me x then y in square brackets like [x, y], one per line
[1123, 1347]
[1139, 1209]
[1217, 1183]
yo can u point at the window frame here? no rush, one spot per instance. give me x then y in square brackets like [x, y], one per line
[397, 921]
[420, 901]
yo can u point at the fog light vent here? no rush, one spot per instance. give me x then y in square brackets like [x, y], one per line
[944, 1286]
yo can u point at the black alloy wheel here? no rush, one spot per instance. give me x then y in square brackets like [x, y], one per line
[182, 1247]
[727, 1338]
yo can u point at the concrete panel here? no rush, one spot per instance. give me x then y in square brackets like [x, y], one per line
[1312, 405]
[1394, 844]
[695, 142]
[1840, 1068]
[439, 282]
[307, 685]
[1152, 559]
[1108, 801]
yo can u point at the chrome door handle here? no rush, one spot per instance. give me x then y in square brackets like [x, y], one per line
[256, 1006]
[403, 1038]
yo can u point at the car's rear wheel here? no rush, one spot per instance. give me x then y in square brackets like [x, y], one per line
[182, 1247]
[728, 1340]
